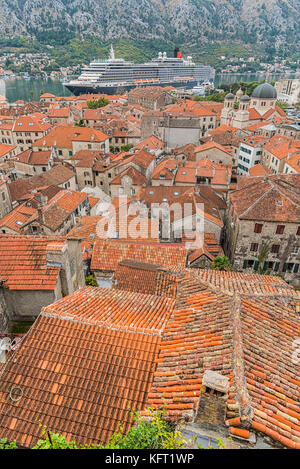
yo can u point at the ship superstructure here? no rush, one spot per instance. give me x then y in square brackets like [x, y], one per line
[115, 74]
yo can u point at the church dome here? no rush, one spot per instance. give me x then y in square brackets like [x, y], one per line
[229, 96]
[264, 91]
[245, 97]
[239, 93]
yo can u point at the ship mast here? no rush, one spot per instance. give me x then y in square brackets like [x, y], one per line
[112, 53]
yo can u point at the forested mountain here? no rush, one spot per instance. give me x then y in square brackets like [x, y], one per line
[180, 21]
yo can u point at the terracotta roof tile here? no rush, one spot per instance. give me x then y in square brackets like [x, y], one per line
[92, 362]
[242, 327]
[55, 176]
[270, 198]
[136, 177]
[141, 277]
[99, 351]
[64, 134]
[23, 262]
[108, 253]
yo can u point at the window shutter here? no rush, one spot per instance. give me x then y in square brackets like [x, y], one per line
[255, 265]
[284, 268]
[276, 267]
[296, 268]
[245, 264]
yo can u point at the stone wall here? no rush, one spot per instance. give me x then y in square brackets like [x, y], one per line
[241, 235]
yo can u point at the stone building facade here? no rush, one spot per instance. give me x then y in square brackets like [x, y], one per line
[54, 269]
[264, 216]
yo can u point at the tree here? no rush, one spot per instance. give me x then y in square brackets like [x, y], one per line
[282, 105]
[126, 147]
[220, 263]
[91, 281]
[97, 103]
[80, 123]
[261, 258]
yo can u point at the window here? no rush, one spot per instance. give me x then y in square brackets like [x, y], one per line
[275, 248]
[280, 229]
[254, 247]
[290, 267]
[248, 263]
[298, 231]
[295, 250]
[258, 228]
[3, 195]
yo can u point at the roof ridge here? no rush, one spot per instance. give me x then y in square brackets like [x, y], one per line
[242, 396]
[277, 187]
[131, 329]
[257, 200]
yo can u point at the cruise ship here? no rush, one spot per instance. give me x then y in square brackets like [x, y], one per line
[114, 76]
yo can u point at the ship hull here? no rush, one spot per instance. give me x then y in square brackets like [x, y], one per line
[113, 90]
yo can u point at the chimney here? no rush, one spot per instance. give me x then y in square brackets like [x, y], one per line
[44, 200]
[40, 214]
[92, 137]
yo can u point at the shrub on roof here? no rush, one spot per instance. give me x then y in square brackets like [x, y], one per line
[91, 281]
[153, 433]
[220, 263]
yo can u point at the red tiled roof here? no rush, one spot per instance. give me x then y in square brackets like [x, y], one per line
[210, 248]
[259, 170]
[4, 149]
[63, 135]
[108, 253]
[294, 162]
[55, 176]
[150, 143]
[166, 168]
[18, 217]
[282, 147]
[93, 201]
[210, 145]
[48, 95]
[247, 339]
[34, 157]
[98, 353]
[137, 177]
[267, 198]
[62, 112]
[218, 173]
[141, 158]
[23, 262]
[92, 362]
[141, 277]
[33, 123]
